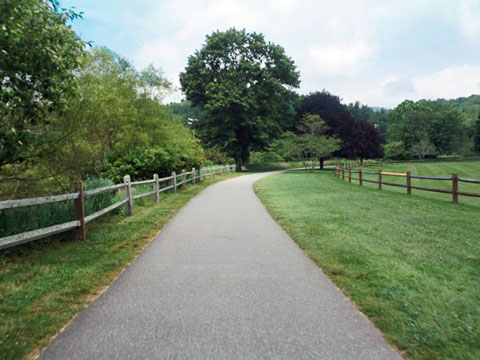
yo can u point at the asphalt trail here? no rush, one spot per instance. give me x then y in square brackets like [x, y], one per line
[221, 281]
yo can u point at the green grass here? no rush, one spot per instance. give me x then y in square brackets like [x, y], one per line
[469, 169]
[43, 284]
[264, 167]
[412, 264]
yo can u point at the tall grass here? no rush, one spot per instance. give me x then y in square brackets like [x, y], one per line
[18, 220]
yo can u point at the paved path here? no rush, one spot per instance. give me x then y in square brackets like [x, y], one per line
[221, 281]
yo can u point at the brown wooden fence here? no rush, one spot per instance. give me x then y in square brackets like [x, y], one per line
[172, 182]
[340, 172]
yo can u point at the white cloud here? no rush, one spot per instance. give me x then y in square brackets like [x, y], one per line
[343, 46]
[284, 5]
[469, 18]
[451, 82]
[159, 53]
[448, 83]
[334, 59]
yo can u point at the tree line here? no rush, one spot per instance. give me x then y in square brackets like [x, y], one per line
[70, 111]
[426, 128]
[240, 98]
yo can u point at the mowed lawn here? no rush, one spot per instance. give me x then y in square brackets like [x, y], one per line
[412, 264]
[43, 284]
[465, 169]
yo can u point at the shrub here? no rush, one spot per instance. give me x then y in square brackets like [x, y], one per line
[264, 157]
[396, 151]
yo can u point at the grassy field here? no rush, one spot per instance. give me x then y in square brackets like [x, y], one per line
[44, 284]
[411, 263]
[463, 169]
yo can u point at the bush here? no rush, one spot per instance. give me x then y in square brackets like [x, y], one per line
[396, 151]
[264, 157]
[216, 156]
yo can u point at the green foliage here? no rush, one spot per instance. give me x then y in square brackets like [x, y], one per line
[396, 151]
[140, 162]
[245, 86]
[476, 137]
[468, 106]
[409, 123]
[376, 116]
[258, 157]
[188, 113]
[38, 55]
[435, 121]
[215, 155]
[311, 146]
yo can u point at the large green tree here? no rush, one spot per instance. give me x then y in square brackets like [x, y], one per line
[38, 53]
[245, 84]
[435, 121]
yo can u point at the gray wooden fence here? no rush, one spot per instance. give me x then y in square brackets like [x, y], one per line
[172, 182]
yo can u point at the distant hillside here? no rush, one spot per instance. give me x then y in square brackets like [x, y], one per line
[469, 106]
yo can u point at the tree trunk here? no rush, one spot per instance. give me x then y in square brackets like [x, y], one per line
[322, 161]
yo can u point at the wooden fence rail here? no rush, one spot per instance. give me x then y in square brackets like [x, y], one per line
[455, 179]
[171, 183]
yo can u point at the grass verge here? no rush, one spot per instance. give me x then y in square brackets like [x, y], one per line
[411, 264]
[45, 283]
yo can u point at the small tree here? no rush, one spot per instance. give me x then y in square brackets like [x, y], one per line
[396, 151]
[423, 148]
[311, 145]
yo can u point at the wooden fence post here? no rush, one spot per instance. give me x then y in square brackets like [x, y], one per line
[174, 181]
[349, 175]
[193, 173]
[455, 188]
[379, 179]
[80, 211]
[360, 177]
[156, 187]
[204, 174]
[184, 178]
[343, 173]
[409, 183]
[129, 195]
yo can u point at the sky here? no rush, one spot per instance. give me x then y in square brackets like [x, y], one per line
[379, 52]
